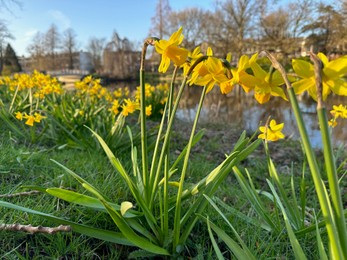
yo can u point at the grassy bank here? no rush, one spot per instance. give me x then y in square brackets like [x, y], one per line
[22, 164]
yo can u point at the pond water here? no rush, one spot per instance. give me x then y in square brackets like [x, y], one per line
[244, 111]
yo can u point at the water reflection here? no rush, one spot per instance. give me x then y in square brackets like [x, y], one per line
[244, 111]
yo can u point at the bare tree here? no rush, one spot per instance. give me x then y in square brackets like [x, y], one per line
[328, 30]
[96, 47]
[69, 44]
[159, 20]
[37, 51]
[236, 20]
[281, 29]
[52, 43]
[8, 5]
[4, 36]
[194, 22]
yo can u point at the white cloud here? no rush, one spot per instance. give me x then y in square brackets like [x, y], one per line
[61, 19]
[28, 35]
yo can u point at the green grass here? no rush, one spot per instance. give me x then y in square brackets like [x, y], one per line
[22, 164]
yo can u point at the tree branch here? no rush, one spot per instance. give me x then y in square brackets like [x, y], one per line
[32, 230]
[25, 193]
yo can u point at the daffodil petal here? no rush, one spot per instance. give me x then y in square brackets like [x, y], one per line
[303, 84]
[323, 58]
[336, 68]
[338, 86]
[258, 71]
[278, 92]
[243, 63]
[302, 68]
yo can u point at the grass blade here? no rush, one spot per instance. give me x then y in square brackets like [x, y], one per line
[214, 243]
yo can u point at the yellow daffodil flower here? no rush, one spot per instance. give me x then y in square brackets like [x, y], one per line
[38, 117]
[331, 76]
[19, 115]
[30, 120]
[332, 122]
[115, 107]
[192, 57]
[170, 51]
[271, 132]
[266, 84]
[148, 110]
[339, 111]
[211, 72]
[129, 107]
[241, 77]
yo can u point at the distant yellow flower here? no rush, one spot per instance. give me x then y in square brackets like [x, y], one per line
[149, 90]
[38, 117]
[170, 51]
[163, 100]
[148, 110]
[332, 74]
[19, 115]
[332, 122]
[339, 111]
[129, 107]
[30, 120]
[271, 132]
[115, 107]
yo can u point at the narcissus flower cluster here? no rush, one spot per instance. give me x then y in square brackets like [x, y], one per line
[212, 71]
[339, 111]
[30, 119]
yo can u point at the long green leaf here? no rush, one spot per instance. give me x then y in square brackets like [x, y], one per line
[123, 226]
[214, 243]
[196, 139]
[87, 201]
[298, 252]
[321, 250]
[239, 239]
[134, 190]
[244, 217]
[254, 199]
[231, 243]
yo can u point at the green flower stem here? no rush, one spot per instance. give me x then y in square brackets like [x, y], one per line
[177, 220]
[143, 130]
[167, 159]
[166, 139]
[13, 99]
[335, 192]
[334, 243]
[154, 163]
[144, 153]
[160, 130]
[317, 179]
[169, 127]
[329, 160]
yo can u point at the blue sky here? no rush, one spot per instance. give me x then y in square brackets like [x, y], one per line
[88, 18]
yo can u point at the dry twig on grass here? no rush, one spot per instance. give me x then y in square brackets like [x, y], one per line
[32, 230]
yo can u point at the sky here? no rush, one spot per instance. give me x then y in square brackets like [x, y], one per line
[88, 18]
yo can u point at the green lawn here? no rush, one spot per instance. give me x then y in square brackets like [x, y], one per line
[22, 164]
